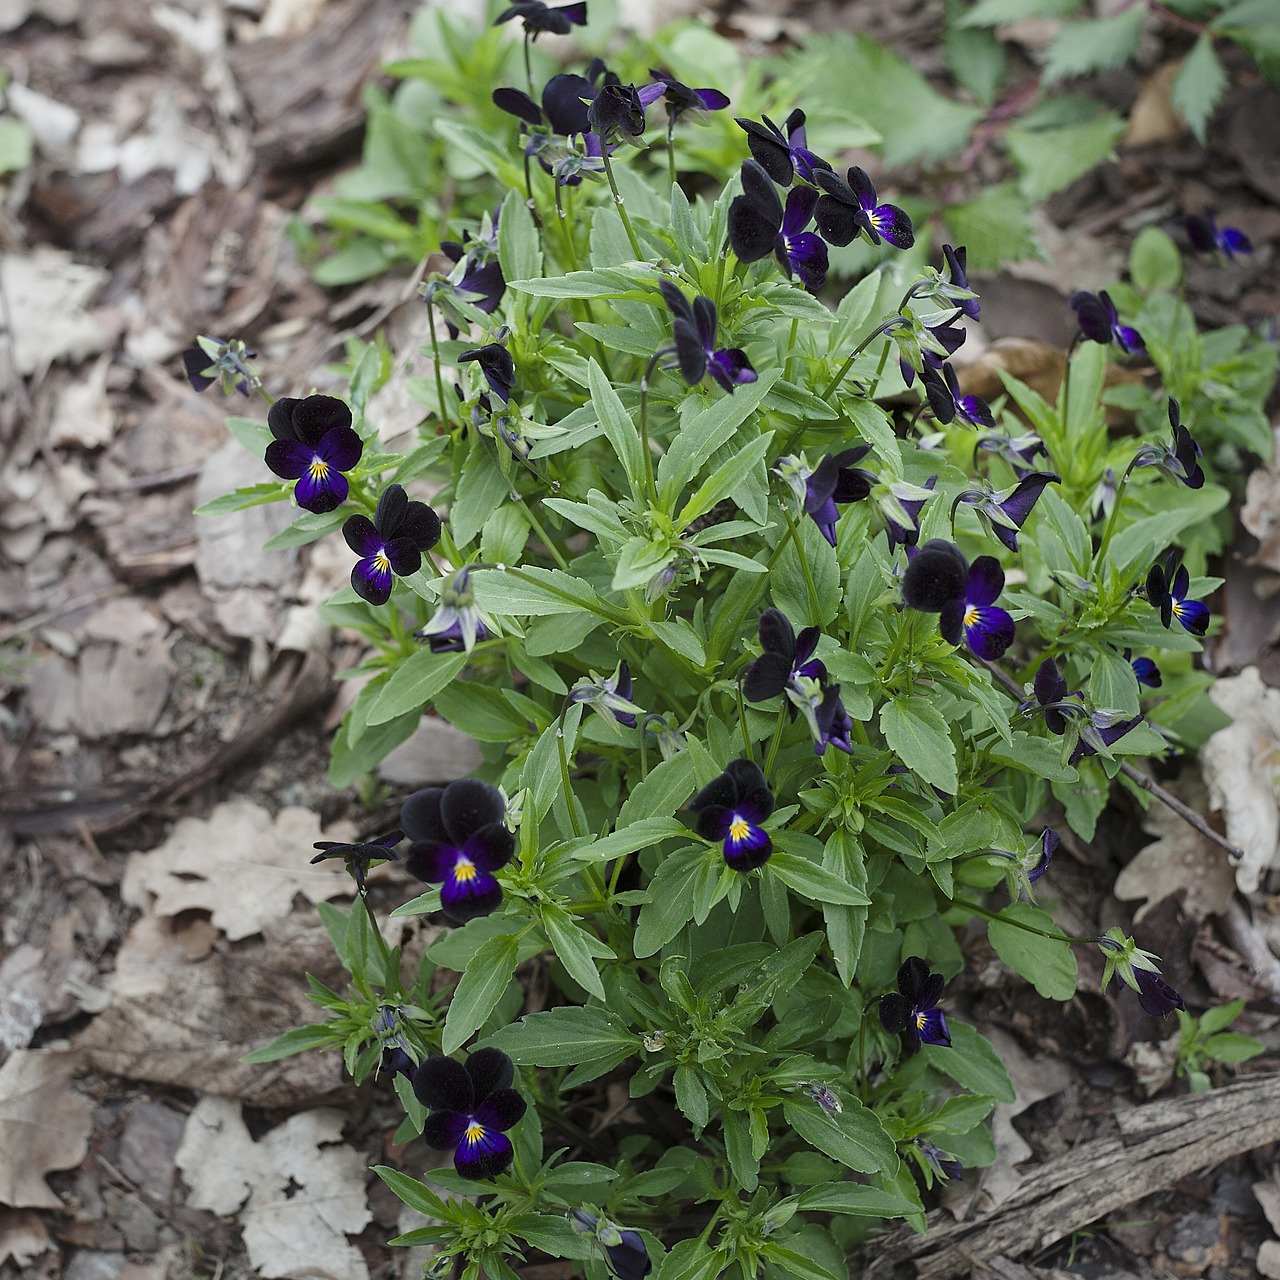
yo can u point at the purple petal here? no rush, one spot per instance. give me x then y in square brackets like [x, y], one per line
[986, 581]
[777, 635]
[932, 1027]
[469, 893]
[1194, 616]
[704, 313]
[989, 631]
[691, 353]
[798, 210]
[894, 225]
[420, 815]
[443, 1130]
[443, 1084]
[751, 233]
[321, 487]
[838, 223]
[491, 847]
[731, 368]
[289, 459]
[711, 99]
[1018, 505]
[562, 102]
[467, 805]
[340, 447]
[501, 1109]
[766, 677]
[1201, 232]
[1049, 683]
[746, 846]
[315, 416]
[490, 1071]
[371, 579]
[975, 411]
[807, 254]
[482, 1152]
[1234, 241]
[951, 621]
[650, 93]
[864, 190]
[517, 103]
[913, 974]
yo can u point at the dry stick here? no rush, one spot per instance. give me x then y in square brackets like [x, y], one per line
[1188, 815]
[1157, 1145]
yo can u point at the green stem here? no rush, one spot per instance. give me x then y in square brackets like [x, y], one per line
[1121, 489]
[875, 333]
[791, 349]
[742, 721]
[391, 979]
[650, 485]
[875, 382]
[618, 201]
[671, 154]
[564, 776]
[978, 910]
[776, 740]
[528, 69]
[435, 362]
[815, 605]
[719, 299]
[536, 525]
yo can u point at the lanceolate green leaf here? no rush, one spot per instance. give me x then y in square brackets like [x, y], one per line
[477, 994]
[853, 1136]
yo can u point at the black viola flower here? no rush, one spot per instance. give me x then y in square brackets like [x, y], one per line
[564, 104]
[942, 387]
[1166, 589]
[1005, 513]
[1207, 237]
[359, 855]
[925, 346]
[459, 840]
[1020, 452]
[832, 724]
[1180, 459]
[496, 364]
[1155, 995]
[694, 333]
[391, 544]
[681, 100]
[786, 656]
[954, 285]
[617, 110]
[974, 616]
[556, 20]
[782, 155]
[942, 1165]
[476, 278]
[730, 809]
[912, 1011]
[1050, 689]
[610, 696]
[935, 576]
[1098, 728]
[1096, 314]
[835, 481]
[458, 625]
[470, 1108]
[624, 1249]
[760, 225]
[849, 209]
[213, 360]
[314, 444]
[906, 535]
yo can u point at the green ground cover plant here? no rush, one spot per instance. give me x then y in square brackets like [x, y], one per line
[775, 680]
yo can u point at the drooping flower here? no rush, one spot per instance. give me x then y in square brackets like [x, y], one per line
[730, 809]
[1019, 452]
[942, 1165]
[760, 225]
[398, 1057]
[1207, 237]
[496, 364]
[476, 279]
[219, 360]
[925, 346]
[1096, 314]
[835, 481]
[1145, 671]
[694, 332]
[314, 444]
[681, 100]
[1179, 460]
[1004, 514]
[457, 625]
[459, 839]
[785, 657]
[1098, 728]
[1049, 841]
[1166, 589]
[391, 544]
[935, 576]
[624, 1250]
[974, 616]
[610, 696]
[359, 855]
[942, 387]
[556, 20]
[1137, 970]
[906, 535]
[471, 1107]
[955, 281]
[849, 209]
[912, 1011]
[617, 110]
[1155, 995]
[564, 104]
[669, 739]
[782, 155]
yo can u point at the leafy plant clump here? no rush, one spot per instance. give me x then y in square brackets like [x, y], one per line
[775, 682]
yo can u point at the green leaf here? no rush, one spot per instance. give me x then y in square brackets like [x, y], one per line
[482, 489]
[638, 561]
[725, 479]
[669, 784]
[415, 682]
[856, 1199]
[1051, 159]
[1154, 260]
[995, 227]
[534, 593]
[814, 882]
[671, 902]
[1199, 85]
[1231, 1046]
[787, 584]
[853, 1136]
[1080, 48]
[254, 495]
[1037, 754]
[316, 1036]
[976, 58]
[918, 735]
[250, 435]
[1047, 963]
[307, 528]
[480, 711]
[618, 427]
[565, 1036]
[971, 1062]
[479, 990]
[641, 834]
[791, 1263]
[691, 1095]
[577, 949]
[352, 759]
[413, 1193]
[519, 249]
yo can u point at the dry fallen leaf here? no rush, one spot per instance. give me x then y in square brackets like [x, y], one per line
[298, 1192]
[239, 864]
[1261, 511]
[1241, 764]
[22, 1236]
[44, 1125]
[1152, 118]
[47, 292]
[1181, 858]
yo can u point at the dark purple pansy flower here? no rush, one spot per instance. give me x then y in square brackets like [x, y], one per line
[1145, 670]
[496, 364]
[391, 544]
[1019, 452]
[785, 657]
[470, 1109]
[611, 697]
[832, 724]
[974, 616]
[945, 401]
[781, 155]
[936, 575]
[618, 110]
[848, 209]
[1179, 460]
[1167, 587]
[459, 841]
[912, 1011]
[915, 344]
[1155, 995]
[360, 853]
[955, 275]
[1101, 729]
[563, 109]
[457, 625]
[1050, 689]
[1099, 322]
[624, 1249]
[901, 535]
[1005, 514]
[681, 100]
[730, 809]
[1049, 841]
[760, 225]
[833, 482]
[694, 332]
[314, 444]
[218, 360]
[942, 1164]
[538, 17]
[477, 278]
[1207, 237]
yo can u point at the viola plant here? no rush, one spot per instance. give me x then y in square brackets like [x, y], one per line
[738, 799]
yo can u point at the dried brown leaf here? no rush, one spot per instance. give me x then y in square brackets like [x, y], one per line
[44, 1125]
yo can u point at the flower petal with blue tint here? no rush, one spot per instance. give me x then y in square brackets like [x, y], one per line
[988, 630]
[730, 367]
[1146, 672]
[986, 581]
[443, 1130]
[502, 1107]
[468, 892]
[1193, 614]
[893, 224]
[371, 578]
[482, 1152]
[746, 846]
[931, 1026]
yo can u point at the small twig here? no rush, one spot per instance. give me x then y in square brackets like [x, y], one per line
[1251, 946]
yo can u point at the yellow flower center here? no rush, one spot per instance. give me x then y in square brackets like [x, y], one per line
[319, 468]
[922, 1021]
[739, 828]
[473, 1132]
[380, 562]
[464, 870]
[971, 615]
